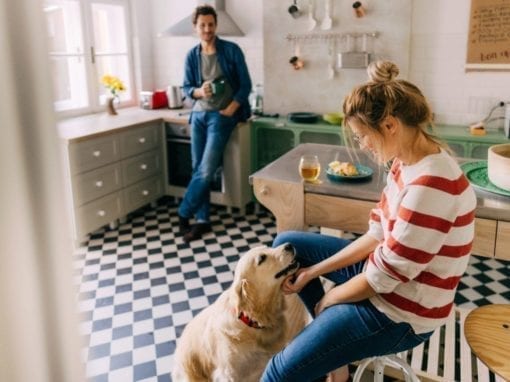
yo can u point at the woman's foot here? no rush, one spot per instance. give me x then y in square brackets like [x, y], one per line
[197, 231]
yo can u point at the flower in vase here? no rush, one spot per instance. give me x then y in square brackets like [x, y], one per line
[113, 84]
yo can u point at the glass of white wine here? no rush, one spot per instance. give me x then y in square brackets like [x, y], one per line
[309, 168]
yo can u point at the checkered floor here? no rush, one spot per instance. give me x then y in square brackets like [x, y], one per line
[140, 284]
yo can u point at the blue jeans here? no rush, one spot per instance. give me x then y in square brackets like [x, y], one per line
[342, 333]
[210, 132]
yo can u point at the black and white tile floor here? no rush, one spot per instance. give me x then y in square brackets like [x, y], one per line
[139, 285]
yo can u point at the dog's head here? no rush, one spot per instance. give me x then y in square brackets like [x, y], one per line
[258, 278]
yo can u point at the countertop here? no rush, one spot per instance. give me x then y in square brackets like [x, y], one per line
[285, 169]
[101, 123]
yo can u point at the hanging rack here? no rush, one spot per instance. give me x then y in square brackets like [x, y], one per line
[328, 36]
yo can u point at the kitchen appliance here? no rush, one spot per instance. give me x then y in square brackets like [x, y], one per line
[226, 25]
[178, 149]
[153, 100]
[175, 97]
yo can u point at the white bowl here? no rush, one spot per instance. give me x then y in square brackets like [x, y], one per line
[498, 165]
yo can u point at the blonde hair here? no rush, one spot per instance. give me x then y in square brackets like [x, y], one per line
[384, 96]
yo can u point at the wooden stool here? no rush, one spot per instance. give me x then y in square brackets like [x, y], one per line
[487, 331]
[379, 363]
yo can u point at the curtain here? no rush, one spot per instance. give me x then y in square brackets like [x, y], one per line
[38, 325]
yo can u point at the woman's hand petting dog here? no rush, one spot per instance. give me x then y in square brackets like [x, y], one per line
[294, 283]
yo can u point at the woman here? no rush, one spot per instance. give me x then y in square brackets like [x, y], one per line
[395, 284]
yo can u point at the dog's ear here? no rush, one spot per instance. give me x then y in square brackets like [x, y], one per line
[241, 293]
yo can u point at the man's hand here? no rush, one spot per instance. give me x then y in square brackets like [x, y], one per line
[205, 91]
[230, 110]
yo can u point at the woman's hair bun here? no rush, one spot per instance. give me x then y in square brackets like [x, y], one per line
[382, 71]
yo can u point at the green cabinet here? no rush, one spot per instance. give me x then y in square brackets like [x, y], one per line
[466, 145]
[273, 137]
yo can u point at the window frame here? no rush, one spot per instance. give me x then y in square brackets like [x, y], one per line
[89, 54]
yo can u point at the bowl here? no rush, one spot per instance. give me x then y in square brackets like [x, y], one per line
[333, 118]
[498, 165]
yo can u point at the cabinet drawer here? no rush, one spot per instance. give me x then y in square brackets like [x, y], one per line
[93, 215]
[142, 193]
[503, 240]
[141, 167]
[93, 153]
[485, 237]
[96, 183]
[139, 139]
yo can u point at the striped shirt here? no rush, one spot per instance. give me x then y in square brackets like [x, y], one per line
[425, 225]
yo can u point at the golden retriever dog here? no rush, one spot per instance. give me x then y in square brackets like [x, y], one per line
[234, 338]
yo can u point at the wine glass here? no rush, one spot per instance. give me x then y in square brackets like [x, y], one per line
[309, 168]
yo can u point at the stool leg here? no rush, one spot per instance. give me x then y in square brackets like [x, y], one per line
[379, 369]
[360, 369]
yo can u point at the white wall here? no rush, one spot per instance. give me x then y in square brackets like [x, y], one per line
[427, 38]
[169, 52]
[438, 55]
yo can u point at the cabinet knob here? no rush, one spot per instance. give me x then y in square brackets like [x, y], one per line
[141, 140]
[97, 153]
[264, 190]
[145, 192]
[101, 212]
[143, 167]
[99, 183]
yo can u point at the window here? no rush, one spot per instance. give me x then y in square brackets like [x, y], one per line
[88, 39]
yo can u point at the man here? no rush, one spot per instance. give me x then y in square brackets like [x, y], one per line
[216, 78]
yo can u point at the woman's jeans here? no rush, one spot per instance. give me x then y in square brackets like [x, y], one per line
[341, 333]
[210, 132]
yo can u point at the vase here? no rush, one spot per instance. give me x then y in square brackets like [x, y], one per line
[110, 106]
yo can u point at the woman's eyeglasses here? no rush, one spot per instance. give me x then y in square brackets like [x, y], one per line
[357, 139]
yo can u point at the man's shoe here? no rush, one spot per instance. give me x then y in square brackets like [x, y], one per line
[184, 226]
[197, 231]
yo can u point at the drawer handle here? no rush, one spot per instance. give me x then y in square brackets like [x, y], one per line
[141, 140]
[145, 192]
[101, 213]
[143, 167]
[99, 184]
[96, 153]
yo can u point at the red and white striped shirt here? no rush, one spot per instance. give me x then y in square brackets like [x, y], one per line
[425, 225]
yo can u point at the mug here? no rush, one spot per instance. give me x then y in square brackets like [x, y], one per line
[218, 87]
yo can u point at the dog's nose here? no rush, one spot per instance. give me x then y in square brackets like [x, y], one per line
[289, 248]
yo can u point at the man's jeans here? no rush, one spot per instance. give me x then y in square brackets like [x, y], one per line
[340, 334]
[210, 132]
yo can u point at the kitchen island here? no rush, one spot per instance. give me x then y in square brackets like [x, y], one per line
[346, 205]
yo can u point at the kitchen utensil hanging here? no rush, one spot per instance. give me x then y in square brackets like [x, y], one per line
[294, 10]
[327, 21]
[296, 61]
[311, 20]
[331, 59]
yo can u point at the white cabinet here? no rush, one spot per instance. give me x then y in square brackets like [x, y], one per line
[113, 174]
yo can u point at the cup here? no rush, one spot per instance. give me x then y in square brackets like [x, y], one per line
[218, 87]
[309, 168]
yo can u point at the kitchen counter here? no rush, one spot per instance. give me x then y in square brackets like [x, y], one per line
[347, 205]
[102, 123]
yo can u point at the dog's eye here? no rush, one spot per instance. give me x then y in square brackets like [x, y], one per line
[261, 259]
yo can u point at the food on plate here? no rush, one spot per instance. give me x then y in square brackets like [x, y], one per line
[343, 168]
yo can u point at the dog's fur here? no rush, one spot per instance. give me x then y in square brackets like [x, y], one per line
[218, 346]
